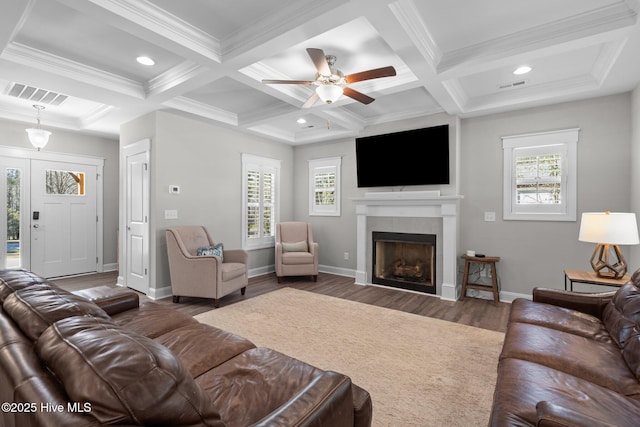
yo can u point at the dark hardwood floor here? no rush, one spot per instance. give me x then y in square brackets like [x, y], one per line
[470, 311]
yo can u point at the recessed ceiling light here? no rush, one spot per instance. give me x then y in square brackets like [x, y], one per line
[145, 60]
[301, 121]
[523, 69]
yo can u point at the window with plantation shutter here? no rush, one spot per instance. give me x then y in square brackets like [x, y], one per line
[260, 204]
[324, 186]
[540, 176]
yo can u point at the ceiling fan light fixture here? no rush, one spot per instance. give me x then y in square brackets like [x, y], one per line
[38, 136]
[329, 93]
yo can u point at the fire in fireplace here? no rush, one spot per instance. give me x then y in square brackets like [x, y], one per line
[405, 260]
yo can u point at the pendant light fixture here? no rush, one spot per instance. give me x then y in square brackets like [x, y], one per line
[38, 136]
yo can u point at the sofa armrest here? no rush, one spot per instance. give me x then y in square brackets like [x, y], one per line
[551, 415]
[326, 401]
[111, 300]
[589, 303]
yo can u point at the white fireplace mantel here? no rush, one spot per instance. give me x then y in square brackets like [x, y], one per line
[411, 204]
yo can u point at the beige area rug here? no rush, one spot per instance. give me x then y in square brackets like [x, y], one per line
[419, 371]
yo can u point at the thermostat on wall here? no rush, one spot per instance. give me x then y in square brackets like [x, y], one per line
[174, 189]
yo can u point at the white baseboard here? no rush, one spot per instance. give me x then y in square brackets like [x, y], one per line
[110, 267]
[160, 293]
[505, 296]
[338, 271]
[261, 271]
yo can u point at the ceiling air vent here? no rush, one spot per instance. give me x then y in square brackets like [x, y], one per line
[513, 84]
[34, 94]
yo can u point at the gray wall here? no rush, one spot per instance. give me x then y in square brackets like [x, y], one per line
[532, 253]
[535, 253]
[337, 235]
[13, 134]
[205, 161]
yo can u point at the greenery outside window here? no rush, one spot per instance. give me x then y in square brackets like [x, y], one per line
[540, 176]
[324, 186]
[260, 200]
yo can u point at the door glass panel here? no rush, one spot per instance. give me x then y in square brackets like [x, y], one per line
[13, 178]
[65, 182]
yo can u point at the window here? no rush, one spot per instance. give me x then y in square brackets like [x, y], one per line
[540, 176]
[324, 187]
[64, 182]
[260, 190]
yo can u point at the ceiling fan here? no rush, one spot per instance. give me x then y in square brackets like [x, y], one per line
[330, 81]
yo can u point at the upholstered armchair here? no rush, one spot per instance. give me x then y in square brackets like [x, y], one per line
[296, 252]
[205, 276]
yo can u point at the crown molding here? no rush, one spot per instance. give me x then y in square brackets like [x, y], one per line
[406, 13]
[588, 24]
[151, 17]
[203, 110]
[30, 57]
[294, 16]
[532, 94]
[173, 77]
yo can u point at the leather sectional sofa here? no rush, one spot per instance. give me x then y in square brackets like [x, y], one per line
[97, 358]
[571, 359]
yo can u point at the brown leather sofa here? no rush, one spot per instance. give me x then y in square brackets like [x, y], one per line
[98, 358]
[571, 359]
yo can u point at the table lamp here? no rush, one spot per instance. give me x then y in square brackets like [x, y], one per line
[609, 230]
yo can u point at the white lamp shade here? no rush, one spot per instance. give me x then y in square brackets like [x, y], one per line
[612, 228]
[38, 137]
[329, 93]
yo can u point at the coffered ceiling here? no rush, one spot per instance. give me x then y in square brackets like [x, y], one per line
[453, 56]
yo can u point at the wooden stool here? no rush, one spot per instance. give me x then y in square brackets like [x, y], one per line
[491, 260]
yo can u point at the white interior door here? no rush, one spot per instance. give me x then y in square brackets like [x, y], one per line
[63, 218]
[137, 219]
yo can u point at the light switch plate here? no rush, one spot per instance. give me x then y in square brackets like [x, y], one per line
[490, 216]
[170, 214]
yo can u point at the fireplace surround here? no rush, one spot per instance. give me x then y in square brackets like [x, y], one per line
[411, 207]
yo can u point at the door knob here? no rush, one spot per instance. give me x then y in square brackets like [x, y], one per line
[36, 226]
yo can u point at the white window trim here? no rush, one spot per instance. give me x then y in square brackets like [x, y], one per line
[567, 140]
[315, 166]
[262, 164]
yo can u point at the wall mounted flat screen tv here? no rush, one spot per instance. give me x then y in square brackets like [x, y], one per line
[413, 157]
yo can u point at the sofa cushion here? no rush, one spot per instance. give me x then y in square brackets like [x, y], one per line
[597, 362]
[152, 320]
[13, 280]
[127, 378]
[522, 384]
[262, 390]
[36, 307]
[622, 314]
[202, 347]
[559, 318]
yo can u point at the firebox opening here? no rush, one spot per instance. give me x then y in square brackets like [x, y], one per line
[405, 260]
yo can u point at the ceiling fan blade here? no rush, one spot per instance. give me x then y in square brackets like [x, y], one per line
[312, 100]
[319, 60]
[371, 74]
[358, 96]
[287, 82]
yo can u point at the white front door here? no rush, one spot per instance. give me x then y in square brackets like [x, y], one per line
[63, 218]
[137, 217]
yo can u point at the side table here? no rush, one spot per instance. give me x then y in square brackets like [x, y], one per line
[591, 278]
[491, 260]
